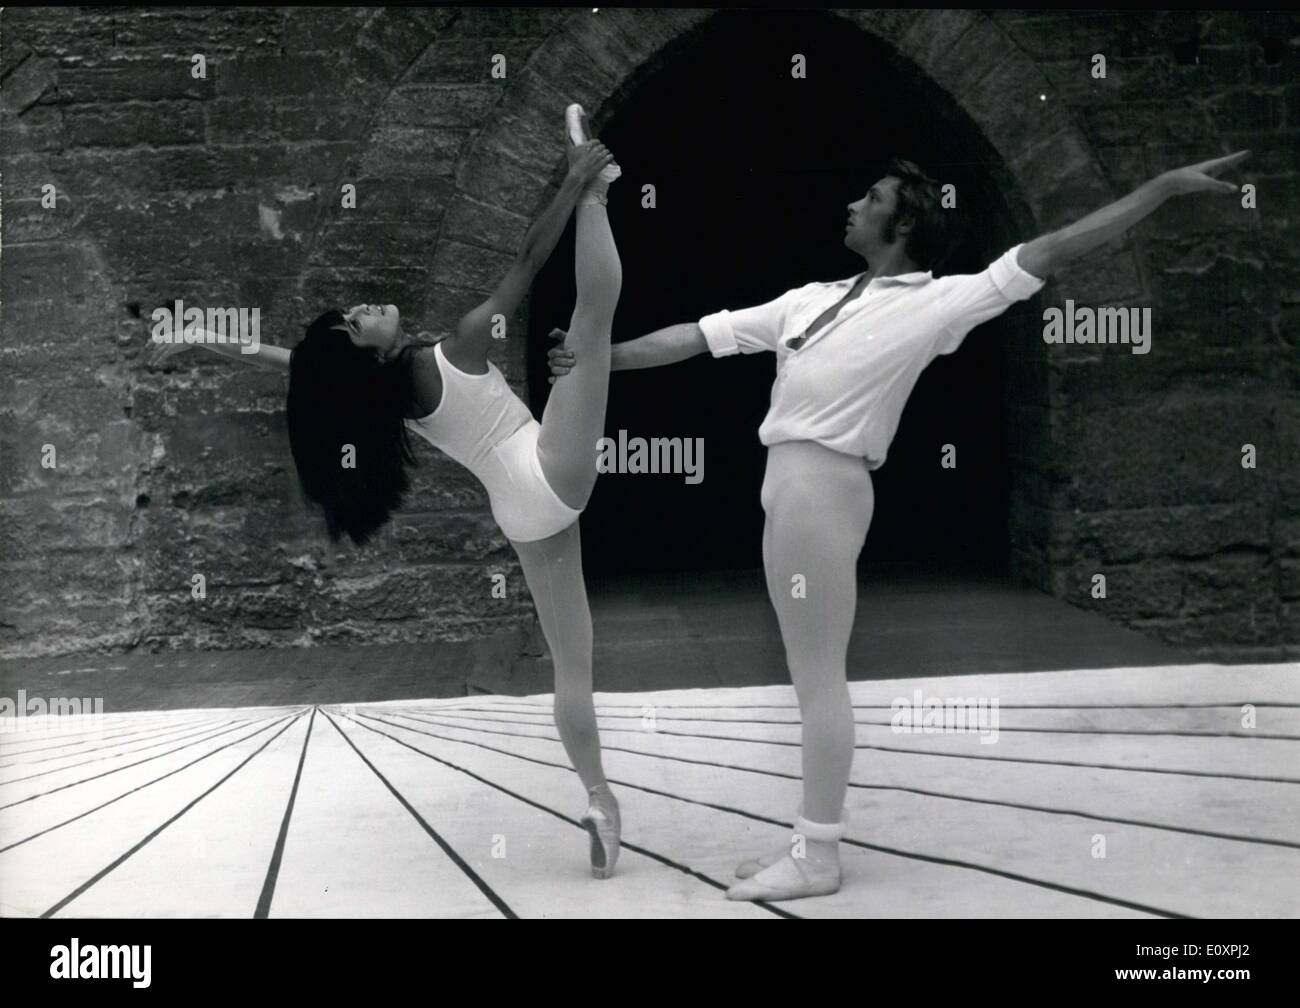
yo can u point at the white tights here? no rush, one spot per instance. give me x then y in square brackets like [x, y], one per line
[818, 504]
[572, 423]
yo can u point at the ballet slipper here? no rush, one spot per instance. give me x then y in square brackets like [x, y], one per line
[747, 869]
[755, 865]
[789, 878]
[604, 826]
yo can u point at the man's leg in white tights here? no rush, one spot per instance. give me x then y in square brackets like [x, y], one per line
[819, 507]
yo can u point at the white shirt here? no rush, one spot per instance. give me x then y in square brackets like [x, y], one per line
[846, 387]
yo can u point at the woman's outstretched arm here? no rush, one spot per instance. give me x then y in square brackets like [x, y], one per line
[467, 349]
[264, 355]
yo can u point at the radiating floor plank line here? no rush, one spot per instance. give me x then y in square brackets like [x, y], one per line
[712, 841]
[1200, 818]
[550, 736]
[277, 854]
[171, 819]
[8, 748]
[1129, 687]
[134, 790]
[108, 773]
[1253, 873]
[447, 849]
[653, 855]
[211, 717]
[539, 858]
[921, 792]
[118, 743]
[1002, 725]
[1245, 875]
[794, 743]
[47, 725]
[210, 863]
[457, 702]
[234, 725]
[910, 855]
[351, 850]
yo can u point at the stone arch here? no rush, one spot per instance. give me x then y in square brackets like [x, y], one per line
[1044, 165]
[591, 59]
[495, 160]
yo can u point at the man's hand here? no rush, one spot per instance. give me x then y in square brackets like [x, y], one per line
[560, 358]
[1200, 177]
[1048, 253]
[586, 160]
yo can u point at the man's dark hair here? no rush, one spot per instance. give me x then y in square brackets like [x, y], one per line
[928, 243]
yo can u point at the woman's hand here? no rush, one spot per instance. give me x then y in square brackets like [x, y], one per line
[1200, 177]
[560, 358]
[162, 351]
[586, 160]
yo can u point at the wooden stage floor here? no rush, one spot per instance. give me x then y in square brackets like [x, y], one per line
[1117, 792]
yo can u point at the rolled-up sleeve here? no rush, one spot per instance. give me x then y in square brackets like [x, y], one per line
[967, 300]
[746, 330]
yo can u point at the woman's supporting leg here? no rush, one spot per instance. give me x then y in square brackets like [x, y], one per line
[574, 419]
[553, 570]
[572, 424]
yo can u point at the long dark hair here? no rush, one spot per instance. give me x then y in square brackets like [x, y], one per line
[339, 395]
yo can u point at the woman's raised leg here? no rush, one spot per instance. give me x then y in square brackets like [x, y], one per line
[574, 419]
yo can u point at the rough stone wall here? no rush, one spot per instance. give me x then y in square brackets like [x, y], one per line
[1197, 550]
[225, 191]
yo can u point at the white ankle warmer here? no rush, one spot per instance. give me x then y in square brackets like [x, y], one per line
[821, 832]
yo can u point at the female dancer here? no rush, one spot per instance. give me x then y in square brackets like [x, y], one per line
[357, 382]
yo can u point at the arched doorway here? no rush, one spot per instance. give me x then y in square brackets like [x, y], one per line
[752, 170]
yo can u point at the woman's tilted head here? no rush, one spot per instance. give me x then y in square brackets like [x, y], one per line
[377, 327]
[346, 426]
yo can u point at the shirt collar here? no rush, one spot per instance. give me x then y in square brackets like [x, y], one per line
[916, 277]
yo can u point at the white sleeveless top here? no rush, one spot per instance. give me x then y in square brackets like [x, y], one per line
[475, 415]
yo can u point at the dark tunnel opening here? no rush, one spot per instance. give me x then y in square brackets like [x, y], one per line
[752, 172]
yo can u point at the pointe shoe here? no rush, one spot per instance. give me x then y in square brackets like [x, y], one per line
[578, 132]
[604, 828]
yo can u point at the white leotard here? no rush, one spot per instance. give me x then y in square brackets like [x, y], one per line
[484, 426]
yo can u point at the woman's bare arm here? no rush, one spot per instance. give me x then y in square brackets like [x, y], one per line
[468, 348]
[264, 355]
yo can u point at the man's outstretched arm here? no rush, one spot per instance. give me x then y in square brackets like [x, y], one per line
[663, 346]
[723, 333]
[1050, 252]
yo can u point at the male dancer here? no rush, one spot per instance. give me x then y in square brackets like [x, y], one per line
[848, 354]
